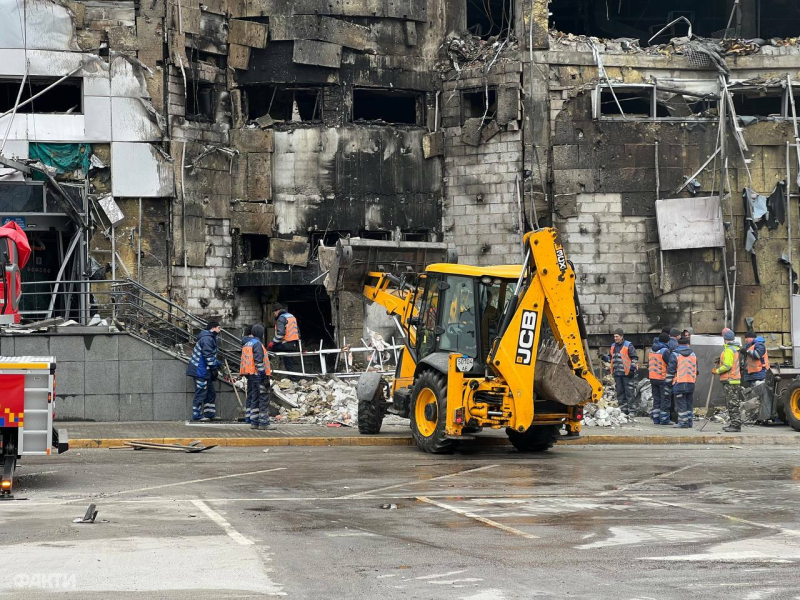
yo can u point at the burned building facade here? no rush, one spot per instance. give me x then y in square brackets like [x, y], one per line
[228, 143]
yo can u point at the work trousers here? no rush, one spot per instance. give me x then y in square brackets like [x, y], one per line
[684, 405]
[290, 363]
[252, 397]
[205, 399]
[259, 407]
[625, 393]
[662, 401]
[734, 397]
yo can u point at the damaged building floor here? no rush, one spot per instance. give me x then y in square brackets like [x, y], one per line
[594, 522]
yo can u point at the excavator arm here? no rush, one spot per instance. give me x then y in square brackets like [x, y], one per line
[560, 370]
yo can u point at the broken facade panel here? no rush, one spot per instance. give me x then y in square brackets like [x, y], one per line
[289, 124]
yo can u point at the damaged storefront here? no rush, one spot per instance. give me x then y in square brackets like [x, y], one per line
[226, 146]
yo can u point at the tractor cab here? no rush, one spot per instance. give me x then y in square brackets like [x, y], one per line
[460, 310]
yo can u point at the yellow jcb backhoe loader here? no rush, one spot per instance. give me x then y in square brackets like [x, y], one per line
[498, 347]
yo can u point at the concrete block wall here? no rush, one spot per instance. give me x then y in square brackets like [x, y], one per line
[481, 215]
[115, 377]
[609, 252]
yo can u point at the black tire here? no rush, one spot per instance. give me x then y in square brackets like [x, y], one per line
[791, 407]
[537, 438]
[370, 403]
[430, 434]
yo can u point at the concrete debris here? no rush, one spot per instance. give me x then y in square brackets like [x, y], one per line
[594, 416]
[465, 52]
[322, 402]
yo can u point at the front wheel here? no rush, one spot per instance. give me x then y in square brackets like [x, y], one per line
[429, 413]
[538, 438]
[791, 406]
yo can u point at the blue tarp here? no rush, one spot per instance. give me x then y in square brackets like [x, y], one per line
[63, 157]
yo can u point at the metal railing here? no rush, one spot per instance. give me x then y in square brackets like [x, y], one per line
[134, 308]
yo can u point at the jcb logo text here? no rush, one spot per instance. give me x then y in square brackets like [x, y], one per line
[527, 337]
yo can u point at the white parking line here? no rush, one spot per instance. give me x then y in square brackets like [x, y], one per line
[648, 480]
[479, 518]
[223, 523]
[417, 482]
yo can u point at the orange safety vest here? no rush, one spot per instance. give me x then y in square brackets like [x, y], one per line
[626, 359]
[292, 330]
[247, 366]
[687, 369]
[755, 365]
[657, 367]
[735, 374]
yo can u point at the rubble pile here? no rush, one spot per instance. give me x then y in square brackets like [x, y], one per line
[319, 402]
[607, 416]
[468, 51]
[328, 402]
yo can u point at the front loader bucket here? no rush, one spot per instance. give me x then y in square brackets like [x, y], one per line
[555, 379]
[353, 258]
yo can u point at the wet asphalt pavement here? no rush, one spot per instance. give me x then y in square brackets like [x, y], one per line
[578, 522]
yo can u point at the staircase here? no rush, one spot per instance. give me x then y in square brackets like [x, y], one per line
[147, 315]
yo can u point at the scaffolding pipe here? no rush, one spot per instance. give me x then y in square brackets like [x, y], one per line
[139, 251]
[14, 110]
[789, 241]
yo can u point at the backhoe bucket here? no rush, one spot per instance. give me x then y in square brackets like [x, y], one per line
[353, 258]
[555, 379]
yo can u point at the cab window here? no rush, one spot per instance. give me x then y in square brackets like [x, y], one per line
[459, 317]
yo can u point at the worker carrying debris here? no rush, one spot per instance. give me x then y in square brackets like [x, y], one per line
[730, 374]
[203, 366]
[756, 363]
[682, 377]
[287, 336]
[658, 360]
[624, 363]
[256, 368]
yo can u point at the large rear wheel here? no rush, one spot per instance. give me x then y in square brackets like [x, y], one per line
[429, 413]
[791, 407]
[537, 438]
[370, 403]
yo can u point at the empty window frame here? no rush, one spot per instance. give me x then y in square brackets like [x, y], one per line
[488, 18]
[647, 102]
[389, 106]
[761, 102]
[479, 103]
[64, 98]
[255, 247]
[284, 103]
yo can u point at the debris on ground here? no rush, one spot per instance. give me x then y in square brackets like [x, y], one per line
[89, 516]
[192, 448]
[331, 402]
[594, 416]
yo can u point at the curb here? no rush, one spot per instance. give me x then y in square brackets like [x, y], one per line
[386, 440]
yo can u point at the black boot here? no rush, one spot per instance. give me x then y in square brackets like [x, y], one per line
[732, 429]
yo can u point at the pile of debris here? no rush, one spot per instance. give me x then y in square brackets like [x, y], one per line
[331, 402]
[594, 416]
[468, 51]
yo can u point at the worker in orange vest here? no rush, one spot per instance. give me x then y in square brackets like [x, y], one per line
[682, 377]
[287, 336]
[624, 363]
[255, 365]
[730, 374]
[756, 365]
[657, 362]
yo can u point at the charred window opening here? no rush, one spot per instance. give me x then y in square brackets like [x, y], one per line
[768, 102]
[64, 98]
[312, 307]
[479, 103]
[633, 102]
[415, 236]
[284, 103]
[652, 103]
[255, 247]
[200, 102]
[641, 20]
[488, 18]
[389, 106]
[375, 235]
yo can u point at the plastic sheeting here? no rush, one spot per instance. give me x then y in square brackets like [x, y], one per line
[62, 157]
